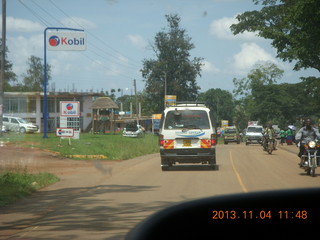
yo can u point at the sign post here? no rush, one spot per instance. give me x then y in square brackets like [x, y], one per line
[73, 40]
[66, 133]
[70, 117]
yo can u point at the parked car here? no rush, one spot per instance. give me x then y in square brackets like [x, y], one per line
[231, 134]
[17, 124]
[4, 129]
[133, 130]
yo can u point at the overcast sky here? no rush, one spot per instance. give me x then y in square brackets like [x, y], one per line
[119, 36]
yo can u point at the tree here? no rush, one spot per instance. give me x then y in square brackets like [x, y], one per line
[34, 79]
[293, 27]
[266, 74]
[310, 96]
[261, 97]
[172, 72]
[220, 102]
[10, 78]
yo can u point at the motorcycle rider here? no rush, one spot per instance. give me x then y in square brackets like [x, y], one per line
[304, 135]
[268, 134]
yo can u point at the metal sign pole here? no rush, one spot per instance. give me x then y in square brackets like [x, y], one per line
[45, 111]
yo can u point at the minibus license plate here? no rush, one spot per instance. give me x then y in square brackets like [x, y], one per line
[187, 142]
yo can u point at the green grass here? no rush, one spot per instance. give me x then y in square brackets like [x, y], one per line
[112, 146]
[18, 184]
[14, 186]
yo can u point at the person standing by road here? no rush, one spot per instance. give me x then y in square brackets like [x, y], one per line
[289, 136]
[282, 136]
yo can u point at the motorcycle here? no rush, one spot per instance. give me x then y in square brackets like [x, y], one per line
[268, 143]
[271, 145]
[310, 159]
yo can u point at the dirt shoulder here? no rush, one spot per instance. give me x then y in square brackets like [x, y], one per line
[33, 160]
[76, 177]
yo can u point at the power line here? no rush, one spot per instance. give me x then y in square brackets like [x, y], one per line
[94, 36]
[108, 55]
[47, 13]
[35, 14]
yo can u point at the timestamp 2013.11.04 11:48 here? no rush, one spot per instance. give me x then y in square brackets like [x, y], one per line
[259, 215]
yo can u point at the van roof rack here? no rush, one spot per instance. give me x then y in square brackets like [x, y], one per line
[188, 104]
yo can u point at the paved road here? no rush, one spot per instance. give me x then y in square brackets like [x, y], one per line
[105, 200]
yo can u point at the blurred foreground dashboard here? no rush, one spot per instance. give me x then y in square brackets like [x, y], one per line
[285, 214]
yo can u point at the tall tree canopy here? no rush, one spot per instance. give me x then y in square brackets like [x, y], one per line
[34, 79]
[293, 27]
[262, 99]
[172, 72]
[10, 78]
[266, 74]
[221, 103]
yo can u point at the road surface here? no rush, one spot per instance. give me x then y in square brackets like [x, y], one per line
[104, 200]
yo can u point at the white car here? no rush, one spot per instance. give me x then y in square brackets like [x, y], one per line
[254, 134]
[18, 124]
[4, 129]
[133, 130]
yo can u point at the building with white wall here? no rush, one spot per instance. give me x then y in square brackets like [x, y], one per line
[29, 105]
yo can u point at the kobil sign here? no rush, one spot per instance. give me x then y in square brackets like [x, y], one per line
[66, 41]
[69, 109]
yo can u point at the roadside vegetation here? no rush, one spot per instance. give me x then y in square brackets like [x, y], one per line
[104, 146]
[18, 183]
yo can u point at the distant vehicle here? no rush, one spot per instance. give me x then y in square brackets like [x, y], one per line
[17, 124]
[187, 135]
[231, 134]
[133, 130]
[4, 129]
[254, 134]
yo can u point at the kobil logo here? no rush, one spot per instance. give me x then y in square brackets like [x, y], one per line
[66, 41]
[55, 41]
[69, 106]
[69, 109]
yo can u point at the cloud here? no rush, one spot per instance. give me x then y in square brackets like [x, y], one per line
[138, 41]
[208, 67]
[250, 55]
[77, 22]
[22, 25]
[21, 48]
[221, 29]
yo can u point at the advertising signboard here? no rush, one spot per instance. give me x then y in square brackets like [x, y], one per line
[64, 132]
[170, 100]
[70, 117]
[66, 41]
[69, 109]
[224, 123]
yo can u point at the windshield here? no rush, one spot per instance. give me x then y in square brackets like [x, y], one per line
[132, 127]
[21, 120]
[230, 131]
[254, 129]
[187, 119]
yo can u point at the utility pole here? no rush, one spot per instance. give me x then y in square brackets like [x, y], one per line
[135, 94]
[165, 89]
[3, 57]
